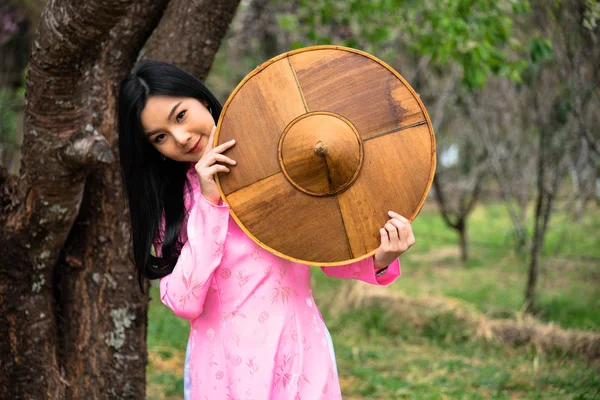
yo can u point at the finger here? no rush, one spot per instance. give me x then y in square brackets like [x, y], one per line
[385, 240]
[225, 159]
[398, 216]
[212, 158]
[217, 168]
[411, 241]
[411, 236]
[214, 155]
[400, 226]
[211, 139]
[401, 241]
[222, 147]
[392, 231]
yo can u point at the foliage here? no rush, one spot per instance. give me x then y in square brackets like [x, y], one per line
[10, 101]
[591, 14]
[477, 35]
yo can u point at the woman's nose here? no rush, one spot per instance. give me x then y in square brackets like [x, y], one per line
[181, 136]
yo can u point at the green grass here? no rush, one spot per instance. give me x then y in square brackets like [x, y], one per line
[164, 328]
[167, 340]
[379, 367]
[381, 356]
[494, 278]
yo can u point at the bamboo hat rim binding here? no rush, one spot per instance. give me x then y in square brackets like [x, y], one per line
[348, 136]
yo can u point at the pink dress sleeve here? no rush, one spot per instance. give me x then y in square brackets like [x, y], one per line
[184, 290]
[364, 270]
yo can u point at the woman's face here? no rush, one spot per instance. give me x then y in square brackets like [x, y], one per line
[178, 127]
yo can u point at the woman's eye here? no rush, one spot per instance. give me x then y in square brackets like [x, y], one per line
[159, 138]
[180, 116]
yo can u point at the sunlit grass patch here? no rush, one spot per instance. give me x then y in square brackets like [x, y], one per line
[165, 373]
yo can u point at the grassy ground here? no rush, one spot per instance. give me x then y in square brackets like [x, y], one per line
[386, 357]
[493, 280]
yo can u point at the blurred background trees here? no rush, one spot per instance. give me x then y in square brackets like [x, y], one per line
[512, 88]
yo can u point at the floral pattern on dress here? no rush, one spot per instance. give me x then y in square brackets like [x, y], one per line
[256, 331]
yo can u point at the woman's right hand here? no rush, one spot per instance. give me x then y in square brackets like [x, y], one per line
[207, 167]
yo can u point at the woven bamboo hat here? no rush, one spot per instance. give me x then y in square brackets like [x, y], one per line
[328, 140]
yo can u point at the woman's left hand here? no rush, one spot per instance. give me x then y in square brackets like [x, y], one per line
[396, 237]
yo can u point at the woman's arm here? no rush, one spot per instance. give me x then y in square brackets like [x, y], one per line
[364, 270]
[184, 290]
[383, 268]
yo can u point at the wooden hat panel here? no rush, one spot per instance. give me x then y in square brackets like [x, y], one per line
[394, 177]
[328, 140]
[284, 218]
[352, 85]
[256, 116]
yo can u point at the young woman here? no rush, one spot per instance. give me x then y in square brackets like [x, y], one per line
[255, 330]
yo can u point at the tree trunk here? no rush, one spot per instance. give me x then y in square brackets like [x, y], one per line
[532, 276]
[49, 193]
[457, 219]
[462, 230]
[72, 314]
[102, 311]
[190, 34]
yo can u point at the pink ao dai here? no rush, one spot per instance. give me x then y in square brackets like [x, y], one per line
[256, 332]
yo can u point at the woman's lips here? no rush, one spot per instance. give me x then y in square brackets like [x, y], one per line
[195, 148]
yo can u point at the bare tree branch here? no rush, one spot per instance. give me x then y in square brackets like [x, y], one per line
[506, 190]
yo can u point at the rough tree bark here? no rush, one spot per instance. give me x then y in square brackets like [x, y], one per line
[71, 312]
[102, 312]
[50, 191]
[191, 34]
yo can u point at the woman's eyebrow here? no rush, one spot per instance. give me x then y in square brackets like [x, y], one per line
[173, 110]
[168, 118]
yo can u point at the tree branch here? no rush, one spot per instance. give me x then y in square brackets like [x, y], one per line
[506, 190]
[87, 151]
[441, 199]
[191, 34]
[70, 31]
[97, 282]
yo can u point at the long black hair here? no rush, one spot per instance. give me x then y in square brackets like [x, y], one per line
[154, 186]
